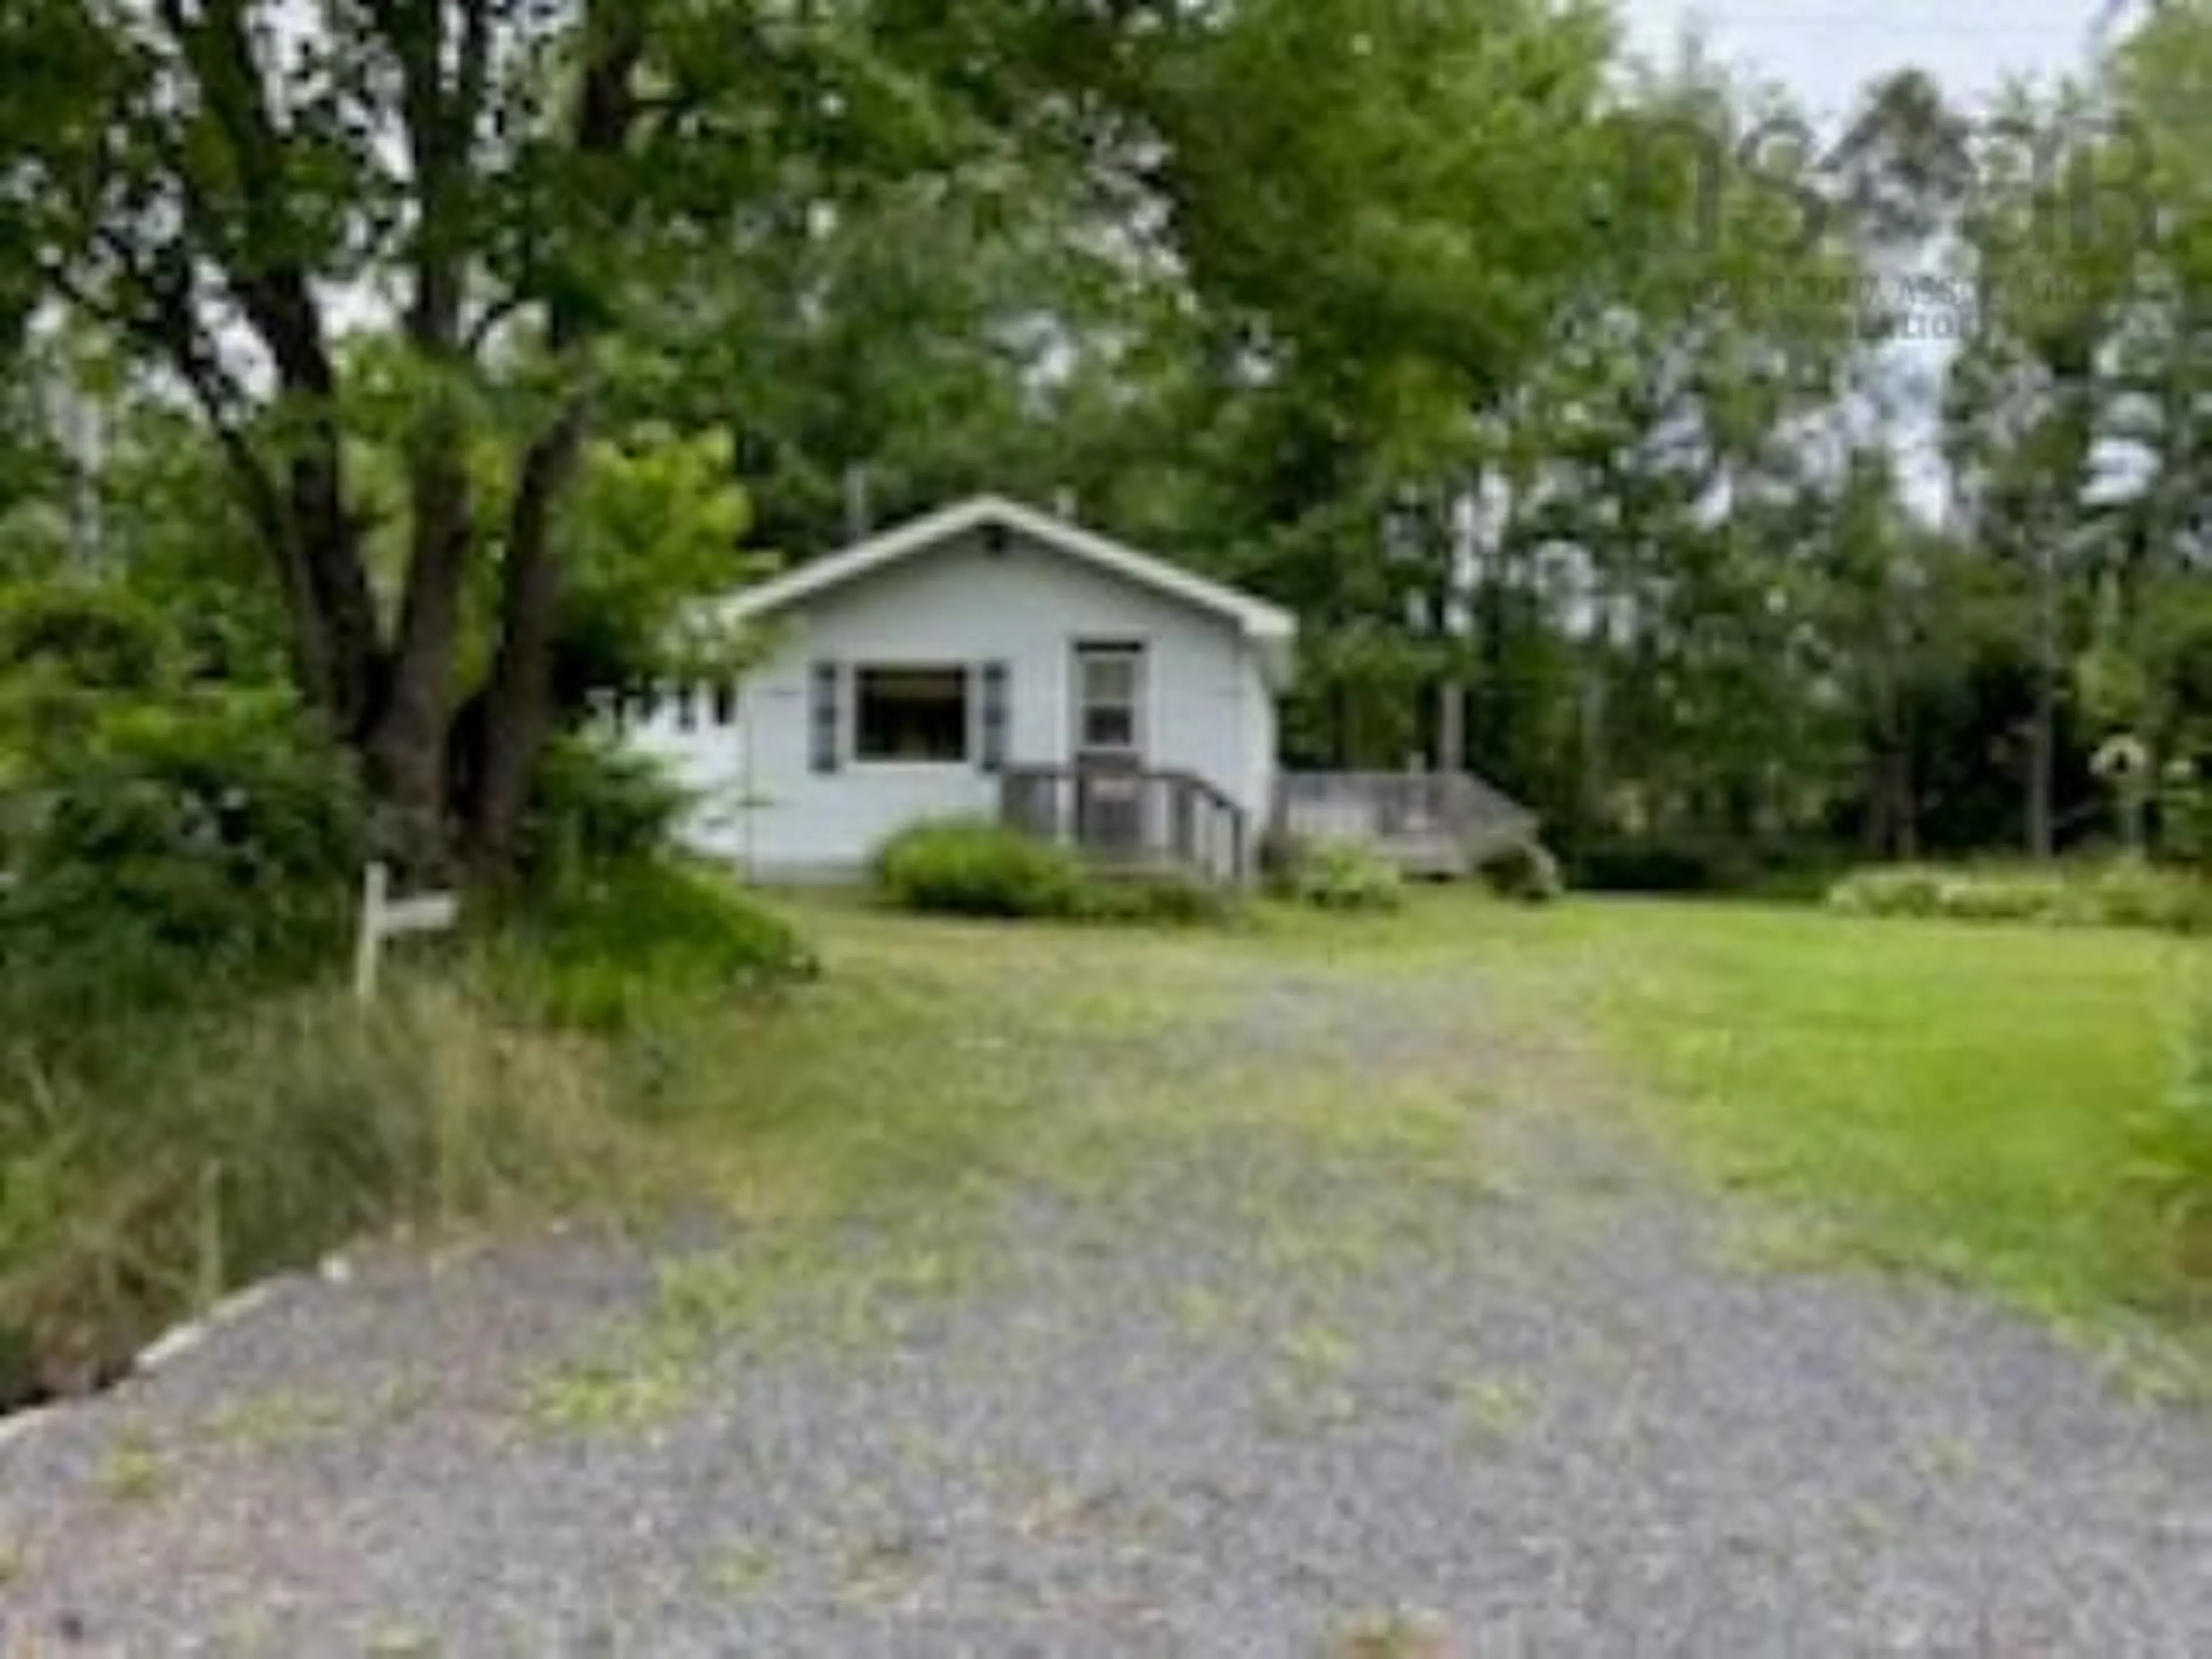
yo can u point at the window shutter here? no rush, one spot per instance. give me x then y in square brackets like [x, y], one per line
[826, 722]
[991, 751]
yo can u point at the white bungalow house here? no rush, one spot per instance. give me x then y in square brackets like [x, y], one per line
[988, 660]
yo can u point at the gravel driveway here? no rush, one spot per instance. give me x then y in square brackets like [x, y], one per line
[1250, 1400]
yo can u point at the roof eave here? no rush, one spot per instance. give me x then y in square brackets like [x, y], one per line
[1273, 631]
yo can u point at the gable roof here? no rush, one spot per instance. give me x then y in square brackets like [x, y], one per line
[1267, 626]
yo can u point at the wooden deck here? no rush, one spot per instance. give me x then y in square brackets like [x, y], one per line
[1138, 821]
[1133, 820]
[1433, 825]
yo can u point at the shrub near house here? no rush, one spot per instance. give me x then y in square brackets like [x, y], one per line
[1342, 875]
[973, 867]
[2126, 894]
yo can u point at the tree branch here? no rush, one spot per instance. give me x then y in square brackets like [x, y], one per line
[438, 114]
[517, 708]
[165, 319]
[264, 270]
[501, 311]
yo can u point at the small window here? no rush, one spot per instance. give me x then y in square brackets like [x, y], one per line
[1110, 689]
[911, 714]
[726, 702]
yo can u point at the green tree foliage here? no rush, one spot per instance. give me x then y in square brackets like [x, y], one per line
[204, 182]
[659, 523]
[1560, 397]
[162, 830]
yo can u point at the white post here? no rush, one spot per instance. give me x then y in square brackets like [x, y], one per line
[375, 884]
[383, 918]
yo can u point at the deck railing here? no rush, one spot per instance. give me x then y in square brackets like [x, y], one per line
[1439, 823]
[1131, 819]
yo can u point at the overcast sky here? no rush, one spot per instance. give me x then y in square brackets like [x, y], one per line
[1824, 50]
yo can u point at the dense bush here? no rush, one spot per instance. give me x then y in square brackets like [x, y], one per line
[165, 836]
[217, 843]
[974, 868]
[620, 948]
[594, 804]
[2185, 811]
[2122, 894]
[1525, 871]
[2139, 895]
[1690, 865]
[80, 636]
[1659, 867]
[1343, 875]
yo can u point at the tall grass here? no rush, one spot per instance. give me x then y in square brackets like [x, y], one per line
[187, 1102]
[156, 1156]
[214, 1148]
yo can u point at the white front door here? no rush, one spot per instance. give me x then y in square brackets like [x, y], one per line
[1109, 745]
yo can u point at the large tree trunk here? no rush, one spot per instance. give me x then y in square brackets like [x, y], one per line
[407, 748]
[518, 705]
[337, 581]
[445, 61]
[1893, 802]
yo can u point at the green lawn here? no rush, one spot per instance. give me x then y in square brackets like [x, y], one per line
[1951, 1099]
[1956, 1098]
[1936, 1097]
